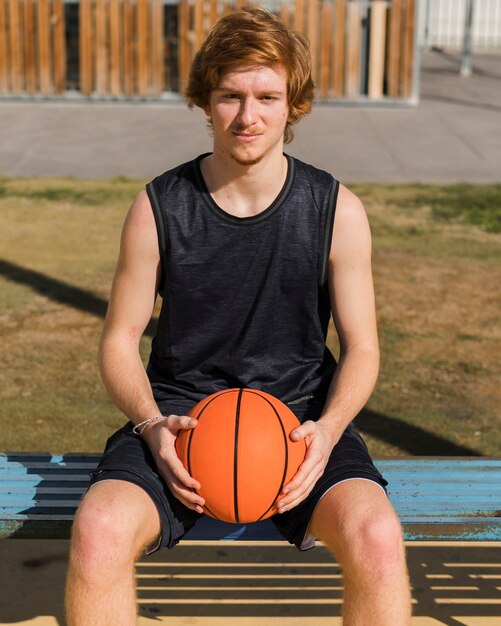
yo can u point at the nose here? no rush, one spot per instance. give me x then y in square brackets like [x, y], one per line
[247, 113]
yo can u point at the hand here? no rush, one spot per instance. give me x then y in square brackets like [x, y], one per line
[161, 437]
[319, 446]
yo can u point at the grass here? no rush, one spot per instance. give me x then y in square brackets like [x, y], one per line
[436, 258]
[470, 204]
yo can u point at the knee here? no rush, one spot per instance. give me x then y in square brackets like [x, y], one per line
[101, 542]
[381, 539]
[376, 546]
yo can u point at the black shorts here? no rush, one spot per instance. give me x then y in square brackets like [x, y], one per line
[127, 457]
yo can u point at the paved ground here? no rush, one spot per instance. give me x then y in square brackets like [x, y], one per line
[454, 134]
[223, 584]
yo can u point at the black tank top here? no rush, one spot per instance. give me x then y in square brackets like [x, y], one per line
[245, 301]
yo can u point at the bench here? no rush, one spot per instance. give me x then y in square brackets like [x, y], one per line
[436, 498]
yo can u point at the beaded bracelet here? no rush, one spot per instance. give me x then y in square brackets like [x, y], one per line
[138, 428]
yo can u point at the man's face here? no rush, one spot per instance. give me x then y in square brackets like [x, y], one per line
[249, 113]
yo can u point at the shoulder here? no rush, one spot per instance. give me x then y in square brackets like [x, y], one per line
[349, 207]
[139, 234]
[351, 233]
[140, 213]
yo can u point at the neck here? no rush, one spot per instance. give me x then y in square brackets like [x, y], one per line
[244, 190]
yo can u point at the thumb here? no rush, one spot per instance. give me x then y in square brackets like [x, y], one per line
[307, 428]
[182, 422]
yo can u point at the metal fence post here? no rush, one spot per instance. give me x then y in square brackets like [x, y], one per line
[467, 41]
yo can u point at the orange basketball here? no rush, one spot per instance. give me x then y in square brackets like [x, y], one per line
[241, 453]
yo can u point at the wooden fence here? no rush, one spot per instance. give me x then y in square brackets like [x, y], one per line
[121, 47]
[32, 46]
[360, 48]
[335, 29]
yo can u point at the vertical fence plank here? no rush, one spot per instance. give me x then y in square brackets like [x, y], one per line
[116, 71]
[157, 47]
[393, 49]
[407, 49]
[128, 79]
[299, 16]
[143, 44]
[199, 23]
[184, 47]
[85, 47]
[44, 47]
[59, 45]
[339, 48]
[313, 8]
[29, 39]
[377, 49]
[101, 48]
[353, 35]
[213, 12]
[4, 79]
[325, 48]
[15, 47]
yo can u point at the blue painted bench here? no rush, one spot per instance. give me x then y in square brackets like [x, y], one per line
[436, 498]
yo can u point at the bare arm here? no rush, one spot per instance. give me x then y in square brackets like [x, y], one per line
[354, 313]
[131, 304]
[353, 310]
[130, 308]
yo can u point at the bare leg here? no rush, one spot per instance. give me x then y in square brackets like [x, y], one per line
[115, 521]
[358, 524]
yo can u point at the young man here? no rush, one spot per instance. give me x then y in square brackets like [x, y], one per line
[252, 252]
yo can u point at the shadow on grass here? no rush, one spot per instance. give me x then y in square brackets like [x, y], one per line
[60, 291]
[413, 439]
[408, 437]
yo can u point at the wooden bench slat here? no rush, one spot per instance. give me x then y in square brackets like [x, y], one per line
[43, 526]
[472, 493]
[436, 498]
[30, 457]
[424, 464]
[24, 501]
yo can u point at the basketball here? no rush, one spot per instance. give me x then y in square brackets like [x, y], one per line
[241, 453]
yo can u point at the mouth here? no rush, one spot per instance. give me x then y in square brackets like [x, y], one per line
[246, 137]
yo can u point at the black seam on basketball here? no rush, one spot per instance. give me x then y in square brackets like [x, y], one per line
[217, 395]
[235, 457]
[188, 451]
[209, 512]
[286, 464]
[192, 432]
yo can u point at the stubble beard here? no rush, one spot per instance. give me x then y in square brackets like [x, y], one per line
[247, 162]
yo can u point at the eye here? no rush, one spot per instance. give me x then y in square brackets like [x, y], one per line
[231, 96]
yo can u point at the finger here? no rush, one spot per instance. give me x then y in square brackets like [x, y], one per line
[172, 463]
[301, 432]
[296, 496]
[188, 497]
[312, 460]
[181, 422]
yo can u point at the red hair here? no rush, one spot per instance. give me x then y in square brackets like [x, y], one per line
[254, 37]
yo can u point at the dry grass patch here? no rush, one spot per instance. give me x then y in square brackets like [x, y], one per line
[437, 288]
